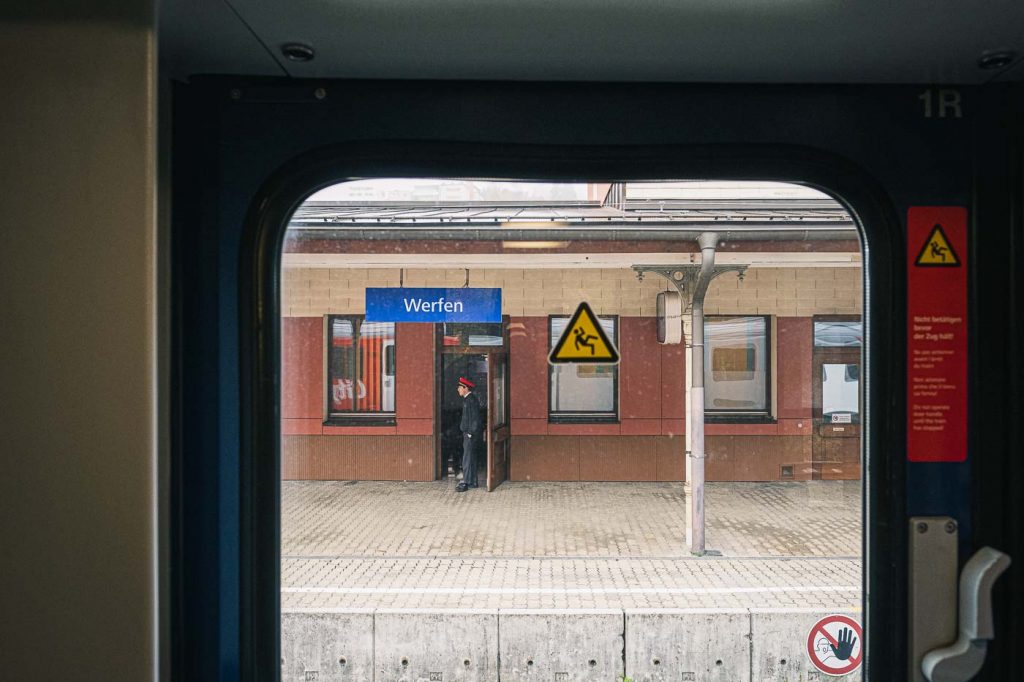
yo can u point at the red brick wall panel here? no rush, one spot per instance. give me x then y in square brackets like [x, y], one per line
[583, 429]
[301, 427]
[796, 427]
[415, 427]
[368, 458]
[414, 371]
[302, 368]
[360, 430]
[673, 381]
[529, 427]
[673, 427]
[618, 459]
[640, 377]
[640, 427]
[545, 458]
[794, 336]
[755, 458]
[528, 346]
[741, 429]
[671, 459]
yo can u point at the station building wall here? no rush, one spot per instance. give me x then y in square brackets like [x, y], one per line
[647, 443]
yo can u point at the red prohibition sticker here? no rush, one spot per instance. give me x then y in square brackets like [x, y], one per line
[937, 334]
[835, 645]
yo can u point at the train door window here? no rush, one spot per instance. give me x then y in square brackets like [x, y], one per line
[435, 463]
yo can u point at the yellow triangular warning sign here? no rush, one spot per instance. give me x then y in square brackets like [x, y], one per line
[937, 251]
[584, 341]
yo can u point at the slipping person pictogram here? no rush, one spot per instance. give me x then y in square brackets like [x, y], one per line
[937, 251]
[584, 339]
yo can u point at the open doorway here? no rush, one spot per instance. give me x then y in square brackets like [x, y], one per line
[479, 354]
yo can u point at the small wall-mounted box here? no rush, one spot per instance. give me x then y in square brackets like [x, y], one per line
[670, 317]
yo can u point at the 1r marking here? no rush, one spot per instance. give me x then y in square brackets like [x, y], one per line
[944, 101]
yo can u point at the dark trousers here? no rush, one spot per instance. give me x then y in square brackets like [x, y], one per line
[469, 460]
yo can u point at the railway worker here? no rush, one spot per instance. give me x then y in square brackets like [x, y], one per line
[471, 427]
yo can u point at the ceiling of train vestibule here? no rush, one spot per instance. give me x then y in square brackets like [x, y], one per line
[794, 41]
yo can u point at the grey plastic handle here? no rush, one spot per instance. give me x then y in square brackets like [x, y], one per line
[963, 659]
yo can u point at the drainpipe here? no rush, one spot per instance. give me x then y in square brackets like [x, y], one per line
[707, 241]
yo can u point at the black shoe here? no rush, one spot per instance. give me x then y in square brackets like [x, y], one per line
[461, 488]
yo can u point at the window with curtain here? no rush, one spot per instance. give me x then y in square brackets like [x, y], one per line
[360, 368]
[736, 365]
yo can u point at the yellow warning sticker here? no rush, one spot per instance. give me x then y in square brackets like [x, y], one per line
[584, 341]
[937, 251]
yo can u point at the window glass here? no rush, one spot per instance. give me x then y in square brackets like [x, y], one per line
[583, 391]
[735, 364]
[837, 334]
[840, 395]
[472, 334]
[500, 376]
[361, 366]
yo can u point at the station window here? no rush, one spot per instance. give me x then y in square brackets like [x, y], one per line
[583, 393]
[840, 333]
[736, 362]
[360, 370]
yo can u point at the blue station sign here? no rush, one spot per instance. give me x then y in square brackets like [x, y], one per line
[388, 304]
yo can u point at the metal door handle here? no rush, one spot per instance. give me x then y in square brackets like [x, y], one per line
[963, 659]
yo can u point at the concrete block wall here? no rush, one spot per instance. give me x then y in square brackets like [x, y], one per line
[785, 292]
[644, 645]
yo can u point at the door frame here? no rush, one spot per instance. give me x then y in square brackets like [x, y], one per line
[440, 350]
[885, 619]
[820, 430]
[498, 434]
[244, 164]
[830, 355]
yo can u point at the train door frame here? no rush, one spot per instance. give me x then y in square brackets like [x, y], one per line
[248, 151]
[875, 217]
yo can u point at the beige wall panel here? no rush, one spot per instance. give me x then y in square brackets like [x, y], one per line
[78, 384]
[785, 292]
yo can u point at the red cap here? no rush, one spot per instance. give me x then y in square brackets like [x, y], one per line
[463, 381]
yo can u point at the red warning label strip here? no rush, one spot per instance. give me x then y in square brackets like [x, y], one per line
[937, 334]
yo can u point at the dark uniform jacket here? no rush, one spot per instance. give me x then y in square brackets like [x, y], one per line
[471, 422]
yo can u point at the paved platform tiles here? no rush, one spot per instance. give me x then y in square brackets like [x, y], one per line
[432, 583]
[568, 545]
[372, 518]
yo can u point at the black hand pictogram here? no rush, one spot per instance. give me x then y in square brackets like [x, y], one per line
[846, 641]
